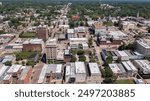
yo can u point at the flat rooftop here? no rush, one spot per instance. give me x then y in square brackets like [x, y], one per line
[114, 67]
[14, 68]
[122, 53]
[70, 69]
[94, 69]
[80, 68]
[129, 66]
[143, 43]
[33, 41]
[51, 41]
[70, 31]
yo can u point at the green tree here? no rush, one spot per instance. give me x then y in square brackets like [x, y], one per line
[8, 63]
[23, 63]
[103, 72]
[17, 62]
[80, 52]
[73, 59]
[90, 42]
[82, 58]
[81, 23]
[30, 63]
[109, 59]
[108, 72]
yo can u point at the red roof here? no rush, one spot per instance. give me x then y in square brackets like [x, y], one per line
[75, 17]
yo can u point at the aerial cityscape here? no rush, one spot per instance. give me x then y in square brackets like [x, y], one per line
[74, 42]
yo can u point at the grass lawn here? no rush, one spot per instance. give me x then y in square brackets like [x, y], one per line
[124, 82]
[28, 35]
[24, 55]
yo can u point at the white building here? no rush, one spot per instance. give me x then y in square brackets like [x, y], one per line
[122, 55]
[76, 42]
[126, 25]
[143, 47]
[139, 81]
[94, 73]
[11, 48]
[51, 49]
[143, 66]
[14, 70]
[42, 75]
[80, 72]
[50, 73]
[70, 75]
[60, 55]
[71, 33]
[118, 70]
[130, 68]
[3, 70]
[80, 29]
[117, 35]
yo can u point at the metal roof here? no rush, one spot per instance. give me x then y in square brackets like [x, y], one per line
[14, 68]
[42, 74]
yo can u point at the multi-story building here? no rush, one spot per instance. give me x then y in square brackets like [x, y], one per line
[42, 32]
[33, 45]
[143, 47]
[51, 49]
[71, 33]
[78, 43]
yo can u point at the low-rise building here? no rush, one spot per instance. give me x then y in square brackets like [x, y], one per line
[11, 48]
[8, 58]
[130, 68]
[25, 75]
[14, 70]
[70, 75]
[118, 70]
[60, 55]
[105, 54]
[80, 31]
[117, 35]
[122, 55]
[51, 73]
[139, 81]
[3, 70]
[126, 25]
[94, 74]
[143, 66]
[7, 79]
[78, 43]
[80, 72]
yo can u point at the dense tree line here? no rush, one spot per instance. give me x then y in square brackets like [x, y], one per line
[94, 10]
